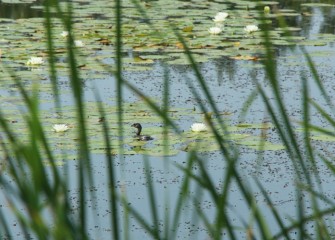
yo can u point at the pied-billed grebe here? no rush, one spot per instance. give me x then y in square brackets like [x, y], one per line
[138, 133]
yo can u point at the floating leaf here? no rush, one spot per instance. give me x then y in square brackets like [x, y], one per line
[318, 5]
[187, 29]
[325, 138]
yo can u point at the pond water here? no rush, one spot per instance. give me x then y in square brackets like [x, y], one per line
[230, 82]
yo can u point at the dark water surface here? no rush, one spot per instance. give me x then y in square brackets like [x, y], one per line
[20, 10]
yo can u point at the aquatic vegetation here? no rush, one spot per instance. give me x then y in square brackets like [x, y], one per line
[145, 39]
[251, 29]
[215, 30]
[35, 61]
[64, 34]
[220, 17]
[197, 132]
[60, 127]
[199, 127]
[99, 126]
[267, 9]
[79, 43]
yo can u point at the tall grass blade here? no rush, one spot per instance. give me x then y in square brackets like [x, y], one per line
[51, 52]
[113, 194]
[274, 211]
[152, 199]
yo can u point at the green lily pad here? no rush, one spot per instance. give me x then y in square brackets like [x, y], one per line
[266, 125]
[317, 5]
[325, 138]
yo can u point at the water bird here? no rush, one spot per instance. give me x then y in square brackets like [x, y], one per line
[138, 133]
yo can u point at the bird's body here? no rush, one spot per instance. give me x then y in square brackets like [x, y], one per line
[138, 133]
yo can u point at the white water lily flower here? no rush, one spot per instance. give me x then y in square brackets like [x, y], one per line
[79, 43]
[220, 17]
[35, 61]
[60, 127]
[64, 34]
[251, 28]
[215, 30]
[198, 127]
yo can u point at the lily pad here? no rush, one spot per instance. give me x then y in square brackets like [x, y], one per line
[317, 5]
[324, 138]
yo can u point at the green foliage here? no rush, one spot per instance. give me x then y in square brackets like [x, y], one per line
[32, 152]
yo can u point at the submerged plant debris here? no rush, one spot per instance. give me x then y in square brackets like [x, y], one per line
[24, 40]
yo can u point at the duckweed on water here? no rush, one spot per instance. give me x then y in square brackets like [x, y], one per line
[21, 39]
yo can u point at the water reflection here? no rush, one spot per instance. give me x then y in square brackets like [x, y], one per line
[224, 66]
[296, 4]
[329, 22]
[22, 10]
[304, 21]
